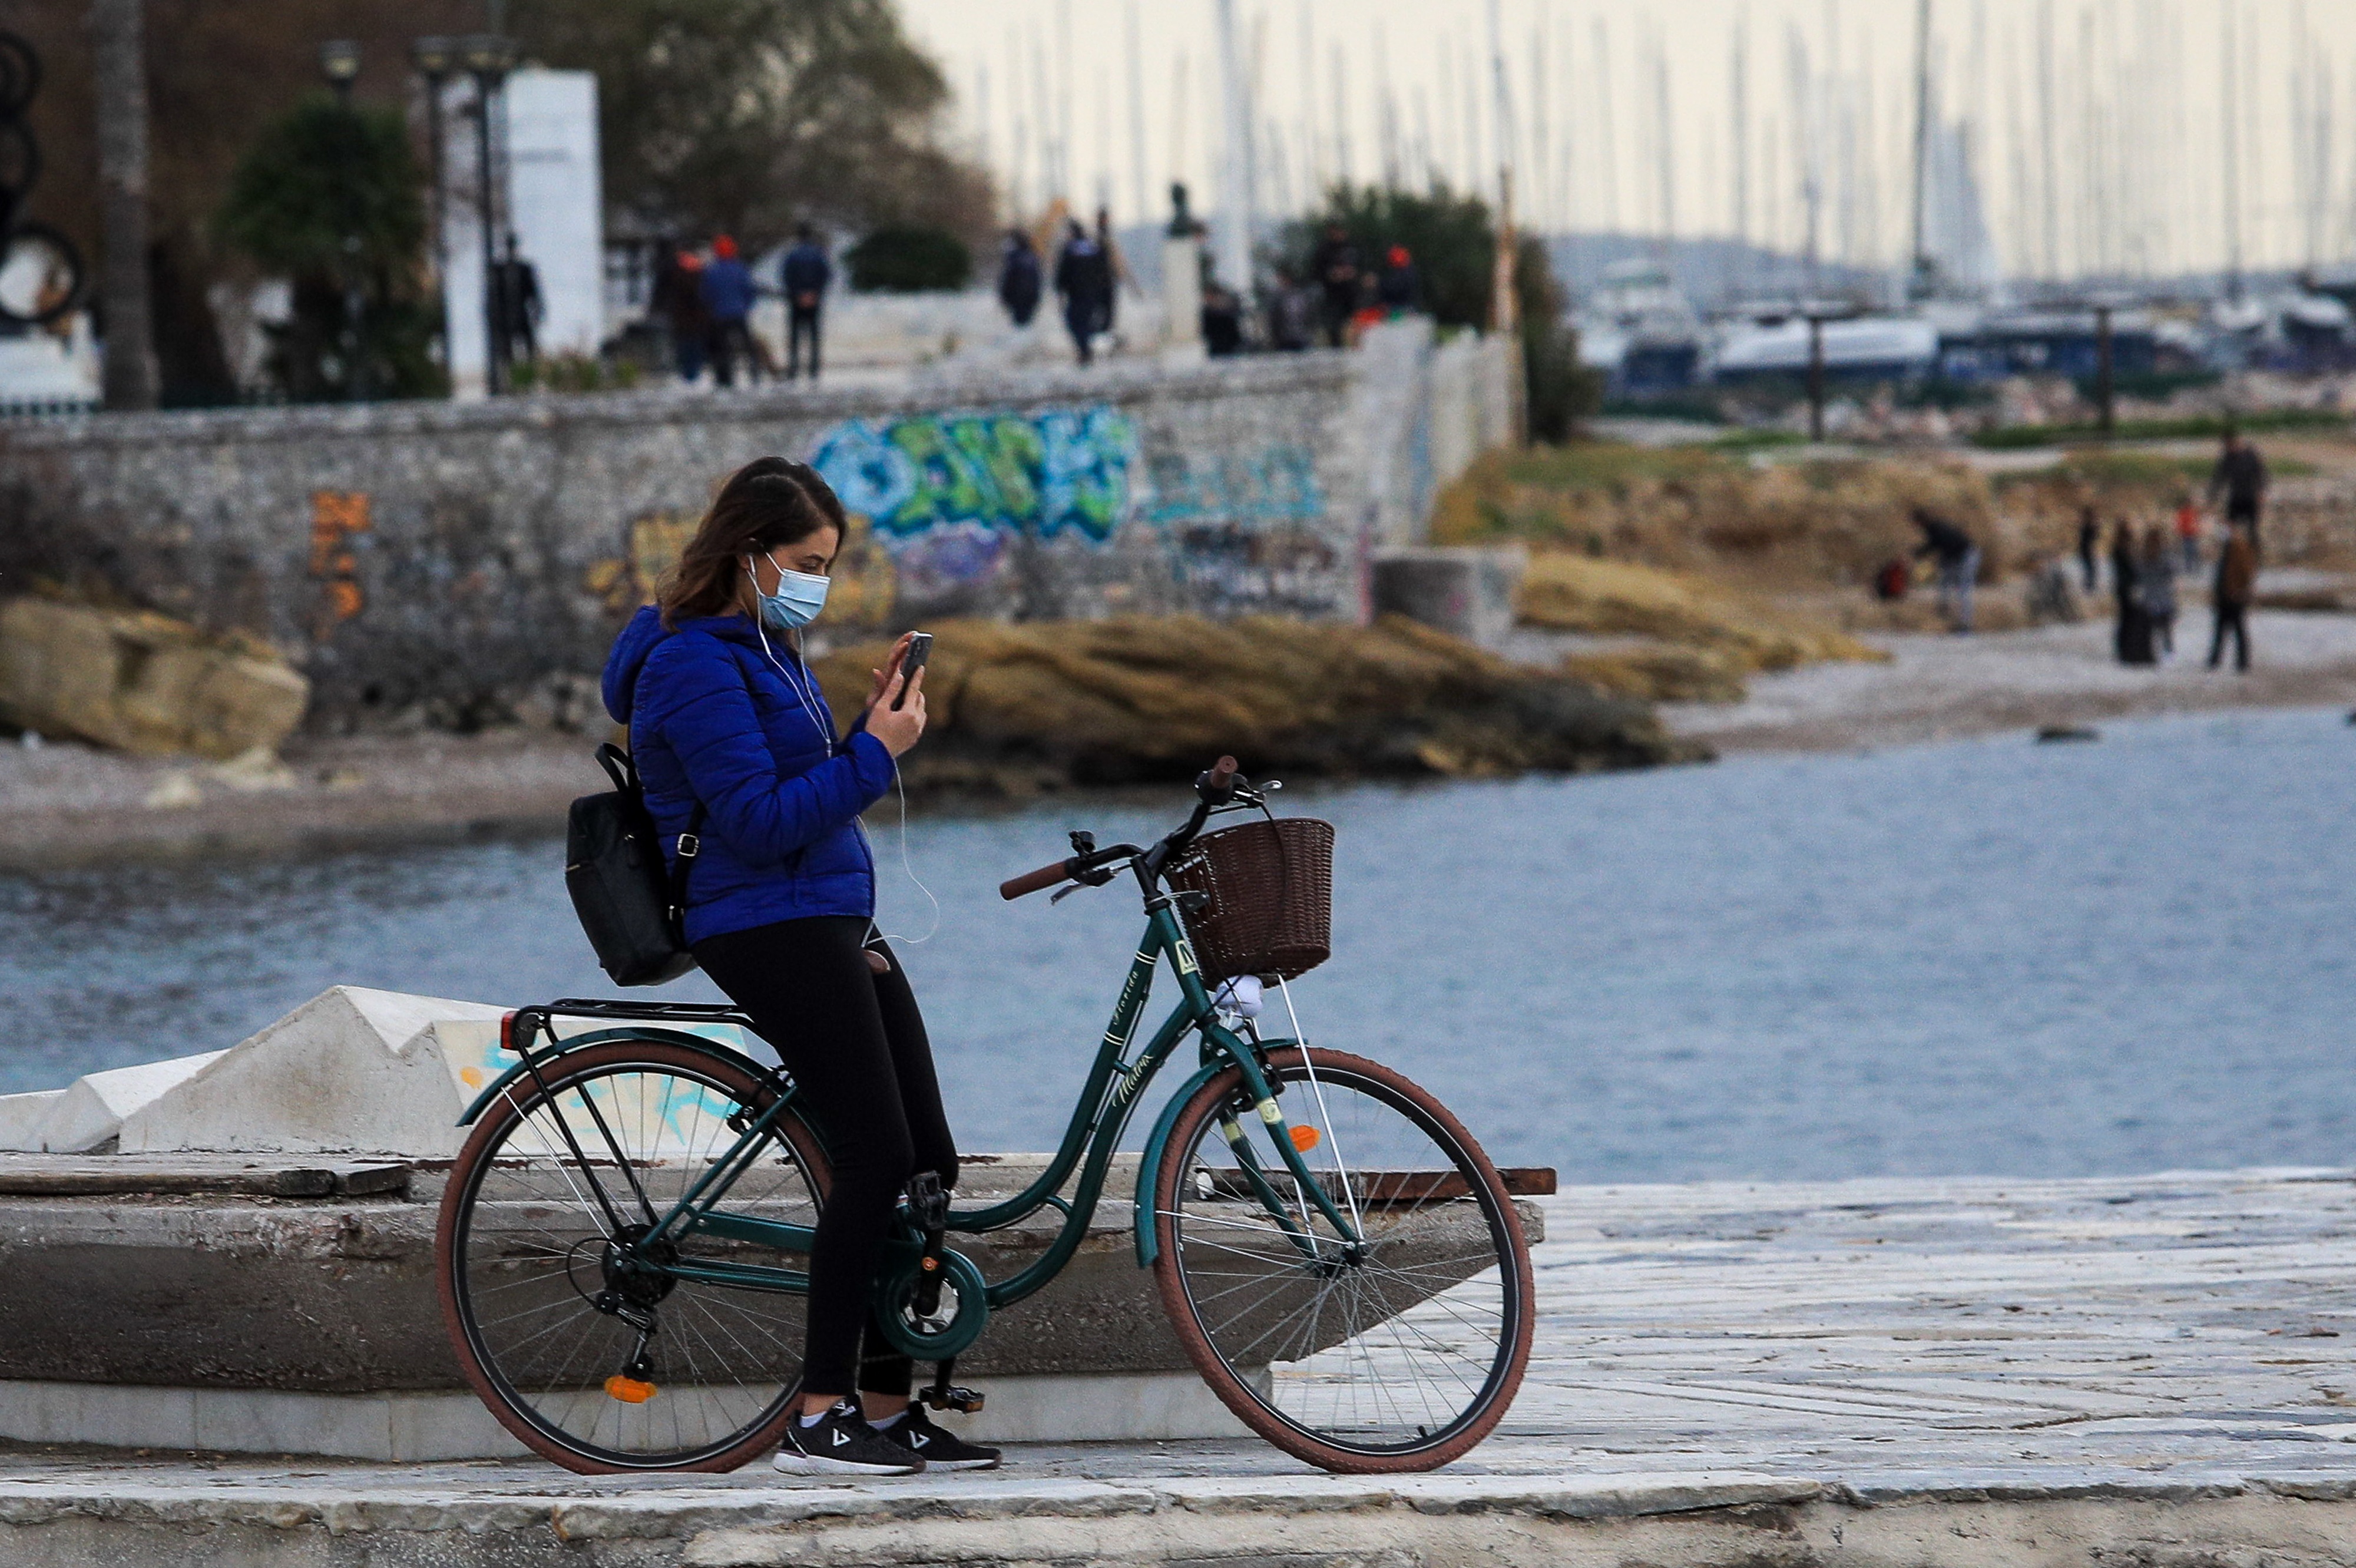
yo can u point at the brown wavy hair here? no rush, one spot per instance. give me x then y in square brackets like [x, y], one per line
[767, 502]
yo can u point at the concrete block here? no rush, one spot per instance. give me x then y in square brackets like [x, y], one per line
[95, 1106]
[21, 1116]
[1467, 592]
[351, 1070]
[424, 1427]
[111, 1414]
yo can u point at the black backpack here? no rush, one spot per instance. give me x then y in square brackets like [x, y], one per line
[630, 905]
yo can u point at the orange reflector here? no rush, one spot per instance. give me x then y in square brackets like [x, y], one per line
[629, 1390]
[1305, 1138]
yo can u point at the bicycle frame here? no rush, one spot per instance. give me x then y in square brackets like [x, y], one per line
[1108, 1099]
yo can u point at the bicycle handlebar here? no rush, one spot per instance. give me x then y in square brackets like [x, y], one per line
[1217, 786]
[1014, 888]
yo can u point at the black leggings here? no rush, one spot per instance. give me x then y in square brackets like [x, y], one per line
[855, 1045]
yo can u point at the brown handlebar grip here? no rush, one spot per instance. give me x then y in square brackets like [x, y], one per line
[1014, 888]
[1223, 772]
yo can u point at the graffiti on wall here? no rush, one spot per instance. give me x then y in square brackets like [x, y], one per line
[947, 493]
[336, 516]
[864, 579]
[1271, 487]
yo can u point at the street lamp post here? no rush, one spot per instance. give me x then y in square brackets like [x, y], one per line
[435, 58]
[487, 58]
[2105, 400]
[339, 62]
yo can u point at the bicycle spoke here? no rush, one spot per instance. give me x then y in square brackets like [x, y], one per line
[1387, 1344]
[539, 1253]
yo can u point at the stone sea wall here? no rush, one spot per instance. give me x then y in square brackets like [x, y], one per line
[435, 554]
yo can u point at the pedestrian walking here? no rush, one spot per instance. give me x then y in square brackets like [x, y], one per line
[2240, 478]
[1019, 280]
[1291, 314]
[2090, 539]
[678, 300]
[2159, 588]
[1336, 267]
[1116, 271]
[1398, 291]
[1958, 557]
[2229, 597]
[516, 301]
[805, 274]
[2187, 533]
[2132, 641]
[728, 296]
[1083, 277]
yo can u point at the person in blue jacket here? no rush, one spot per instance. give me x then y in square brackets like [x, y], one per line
[724, 712]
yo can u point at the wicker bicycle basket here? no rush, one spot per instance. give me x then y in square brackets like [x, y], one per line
[1271, 888]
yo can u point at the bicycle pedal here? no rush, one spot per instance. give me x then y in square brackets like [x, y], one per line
[964, 1402]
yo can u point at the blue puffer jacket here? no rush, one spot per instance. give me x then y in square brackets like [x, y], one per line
[712, 719]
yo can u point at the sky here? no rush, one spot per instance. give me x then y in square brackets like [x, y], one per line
[1627, 117]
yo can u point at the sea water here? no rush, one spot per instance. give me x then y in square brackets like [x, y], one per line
[1987, 956]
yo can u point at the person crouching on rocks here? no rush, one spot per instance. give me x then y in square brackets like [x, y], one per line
[1958, 556]
[725, 715]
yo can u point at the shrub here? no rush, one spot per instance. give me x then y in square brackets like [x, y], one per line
[909, 259]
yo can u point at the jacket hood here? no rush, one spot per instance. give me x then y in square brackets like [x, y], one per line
[645, 633]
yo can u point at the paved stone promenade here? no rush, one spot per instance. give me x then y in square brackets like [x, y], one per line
[2158, 1370]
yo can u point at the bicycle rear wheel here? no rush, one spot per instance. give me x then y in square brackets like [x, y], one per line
[551, 1187]
[1398, 1352]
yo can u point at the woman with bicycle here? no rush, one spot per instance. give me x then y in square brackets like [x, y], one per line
[729, 729]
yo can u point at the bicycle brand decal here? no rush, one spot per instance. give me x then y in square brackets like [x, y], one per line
[1185, 959]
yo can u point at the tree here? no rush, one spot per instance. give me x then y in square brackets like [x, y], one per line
[1454, 243]
[328, 198]
[750, 116]
[905, 259]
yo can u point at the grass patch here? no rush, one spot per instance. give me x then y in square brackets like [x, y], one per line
[2016, 437]
[1757, 440]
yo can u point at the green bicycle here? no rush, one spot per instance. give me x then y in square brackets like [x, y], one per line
[622, 1247]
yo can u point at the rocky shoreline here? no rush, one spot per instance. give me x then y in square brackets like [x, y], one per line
[1017, 712]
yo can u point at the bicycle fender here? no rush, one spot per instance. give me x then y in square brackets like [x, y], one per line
[571, 1043]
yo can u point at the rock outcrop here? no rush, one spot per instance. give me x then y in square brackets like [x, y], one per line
[142, 682]
[1023, 707]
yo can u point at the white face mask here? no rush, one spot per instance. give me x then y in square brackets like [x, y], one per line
[800, 598]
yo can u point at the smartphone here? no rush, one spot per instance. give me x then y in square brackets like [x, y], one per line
[920, 644]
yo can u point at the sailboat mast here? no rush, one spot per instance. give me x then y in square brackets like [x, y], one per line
[1919, 284]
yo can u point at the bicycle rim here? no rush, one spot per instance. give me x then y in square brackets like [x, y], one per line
[1398, 1354]
[526, 1247]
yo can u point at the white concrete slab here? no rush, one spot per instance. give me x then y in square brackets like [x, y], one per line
[350, 1070]
[21, 1116]
[94, 1107]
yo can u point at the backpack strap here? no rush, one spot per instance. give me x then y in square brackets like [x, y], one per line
[690, 844]
[623, 770]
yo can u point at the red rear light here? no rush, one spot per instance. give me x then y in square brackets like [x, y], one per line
[507, 1032]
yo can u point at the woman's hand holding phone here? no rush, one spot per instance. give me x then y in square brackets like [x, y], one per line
[896, 715]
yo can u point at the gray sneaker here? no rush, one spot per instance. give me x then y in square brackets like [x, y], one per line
[840, 1443]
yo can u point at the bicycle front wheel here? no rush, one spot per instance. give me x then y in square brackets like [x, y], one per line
[1394, 1344]
[594, 1353]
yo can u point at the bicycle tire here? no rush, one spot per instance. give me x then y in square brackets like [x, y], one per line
[481, 1363]
[66, 302]
[1432, 1445]
[20, 74]
[20, 159]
